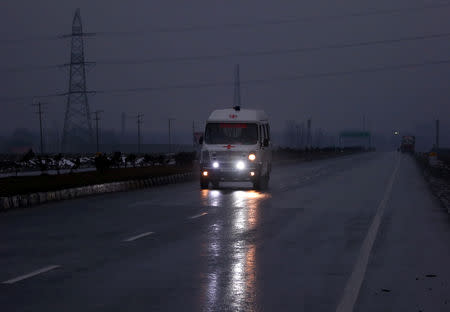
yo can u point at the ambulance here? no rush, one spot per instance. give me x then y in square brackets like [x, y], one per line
[236, 147]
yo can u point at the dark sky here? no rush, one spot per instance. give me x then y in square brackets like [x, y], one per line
[401, 99]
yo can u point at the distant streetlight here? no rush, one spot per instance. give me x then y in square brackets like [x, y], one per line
[396, 133]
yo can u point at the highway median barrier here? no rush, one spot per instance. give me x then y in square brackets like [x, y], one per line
[70, 186]
[33, 199]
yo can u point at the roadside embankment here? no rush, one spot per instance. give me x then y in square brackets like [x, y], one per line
[436, 171]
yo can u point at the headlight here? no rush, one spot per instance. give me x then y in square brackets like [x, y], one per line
[240, 165]
[215, 164]
[252, 157]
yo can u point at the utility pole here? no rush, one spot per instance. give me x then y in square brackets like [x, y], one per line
[97, 118]
[139, 122]
[319, 137]
[57, 147]
[193, 134]
[308, 135]
[302, 135]
[437, 133]
[123, 120]
[40, 112]
[170, 139]
[297, 127]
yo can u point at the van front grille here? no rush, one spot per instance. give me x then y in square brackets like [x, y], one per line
[227, 156]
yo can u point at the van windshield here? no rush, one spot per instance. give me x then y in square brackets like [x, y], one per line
[231, 133]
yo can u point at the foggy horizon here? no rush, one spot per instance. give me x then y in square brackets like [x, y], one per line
[407, 99]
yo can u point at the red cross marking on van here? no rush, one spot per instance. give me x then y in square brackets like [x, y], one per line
[229, 146]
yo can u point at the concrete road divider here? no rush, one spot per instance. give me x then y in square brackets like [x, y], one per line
[33, 199]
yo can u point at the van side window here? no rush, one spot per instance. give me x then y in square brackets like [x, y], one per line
[268, 131]
[261, 133]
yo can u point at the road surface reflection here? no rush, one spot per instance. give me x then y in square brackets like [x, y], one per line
[231, 250]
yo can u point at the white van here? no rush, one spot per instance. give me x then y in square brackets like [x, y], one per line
[236, 147]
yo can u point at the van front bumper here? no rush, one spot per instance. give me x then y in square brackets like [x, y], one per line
[218, 174]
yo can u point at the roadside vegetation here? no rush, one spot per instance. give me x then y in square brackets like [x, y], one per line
[435, 166]
[435, 163]
[109, 168]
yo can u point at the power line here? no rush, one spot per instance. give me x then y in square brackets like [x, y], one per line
[277, 21]
[28, 39]
[256, 81]
[276, 51]
[244, 53]
[21, 99]
[28, 68]
[280, 79]
[31, 39]
[231, 26]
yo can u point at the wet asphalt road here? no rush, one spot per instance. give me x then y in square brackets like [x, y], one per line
[309, 243]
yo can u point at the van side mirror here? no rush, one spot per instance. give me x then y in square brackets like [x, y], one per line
[200, 141]
[266, 142]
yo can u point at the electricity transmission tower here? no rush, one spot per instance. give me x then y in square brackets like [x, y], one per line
[237, 87]
[77, 131]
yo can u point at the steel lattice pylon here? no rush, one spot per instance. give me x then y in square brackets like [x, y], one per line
[77, 132]
[237, 86]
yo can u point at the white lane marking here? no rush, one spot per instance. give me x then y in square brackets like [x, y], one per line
[198, 216]
[354, 283]
[37, 272]
[137, 237]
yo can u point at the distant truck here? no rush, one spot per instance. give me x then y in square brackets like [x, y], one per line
[408, 144]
